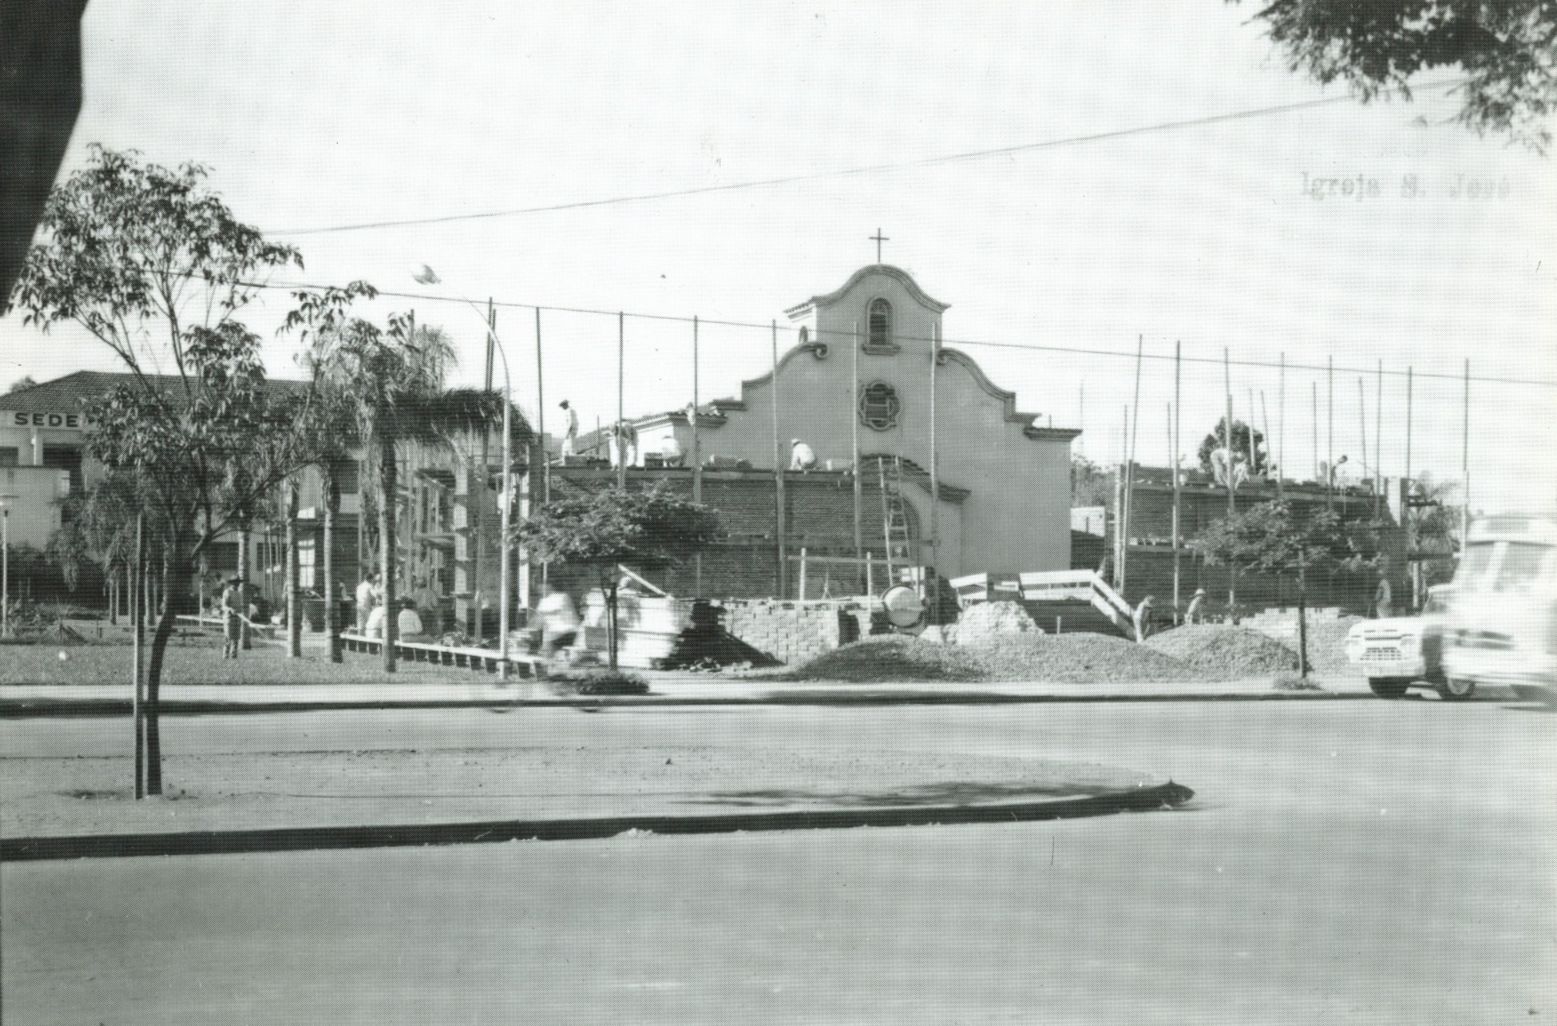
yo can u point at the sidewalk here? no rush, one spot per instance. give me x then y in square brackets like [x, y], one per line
[20, 700]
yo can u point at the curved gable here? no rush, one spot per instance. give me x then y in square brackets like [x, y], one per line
[897, 274]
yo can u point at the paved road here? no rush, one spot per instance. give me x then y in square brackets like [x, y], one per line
[1364, 862]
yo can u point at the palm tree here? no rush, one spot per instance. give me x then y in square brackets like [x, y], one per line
[388, 387]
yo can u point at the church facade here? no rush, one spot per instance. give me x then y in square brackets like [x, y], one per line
[863, 365]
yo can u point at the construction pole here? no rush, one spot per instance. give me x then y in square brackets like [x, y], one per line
[1173, 464]
[1465, 462]
[1135, 427]
[932, 598]
[1252, 457]
[1122, 505]
[778, 474]
[1281, 428]
[697, 457]
[621, 360]
[1314, 466]
[540, 427]
[1329, 432]
[1362, 423]
[1405, 497]
[137, 616]
[1227, 443]
[1178, 417]
[854, 436]
[1081, 416]
[1380, 482]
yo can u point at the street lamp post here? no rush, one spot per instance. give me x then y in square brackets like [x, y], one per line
[429, 277]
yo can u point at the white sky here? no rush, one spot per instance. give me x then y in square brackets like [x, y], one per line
[316, 115]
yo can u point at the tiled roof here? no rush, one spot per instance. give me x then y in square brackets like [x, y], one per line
[73, 391]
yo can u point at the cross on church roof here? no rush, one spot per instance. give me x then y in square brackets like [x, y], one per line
[879, 239]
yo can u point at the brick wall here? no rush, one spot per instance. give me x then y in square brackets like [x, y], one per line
[819, 516]
[793, 632]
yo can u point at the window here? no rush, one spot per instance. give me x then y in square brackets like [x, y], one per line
[880, 321]
[9, 454]
[65, 457]
[879, 406]
[306, 564]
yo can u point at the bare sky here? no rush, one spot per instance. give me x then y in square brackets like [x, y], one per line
[315, 115]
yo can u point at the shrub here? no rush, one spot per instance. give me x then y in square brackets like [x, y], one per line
[599, 682]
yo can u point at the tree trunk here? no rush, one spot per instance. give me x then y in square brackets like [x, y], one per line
[175, 576]
[243, 577]
[388, 485]
[332, 611]
[112, 584]
[611, 622]
[1302, 605]
[294, 585]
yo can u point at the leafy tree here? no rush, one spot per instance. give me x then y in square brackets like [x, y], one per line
[1504, 48]
[1271, 537]
[1090, 484]
[129, 247]
[601, 529]
[1436, 528]
[386, 388]
[1215, 439]
[25, 381]
[98, 528]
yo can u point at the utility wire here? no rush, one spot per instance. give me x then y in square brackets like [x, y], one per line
[431, 297]
[866, 169]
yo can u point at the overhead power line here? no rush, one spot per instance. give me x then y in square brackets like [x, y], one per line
[866, 169]
[433, 297]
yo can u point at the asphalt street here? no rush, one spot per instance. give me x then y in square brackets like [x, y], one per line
[1367, 862]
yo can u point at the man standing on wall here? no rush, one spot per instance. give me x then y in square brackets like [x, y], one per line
[570, 436]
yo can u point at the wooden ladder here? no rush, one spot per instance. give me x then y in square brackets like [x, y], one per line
[894, 515]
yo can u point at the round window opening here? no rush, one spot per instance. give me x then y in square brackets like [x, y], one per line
[879, 406]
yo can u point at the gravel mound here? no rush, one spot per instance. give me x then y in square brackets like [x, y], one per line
[1078, 659]
[1030, 656]
[890, 658]
[1224, 651]
[991, 620]
[1327, 644]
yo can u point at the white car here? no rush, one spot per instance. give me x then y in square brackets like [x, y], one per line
[1402, 652]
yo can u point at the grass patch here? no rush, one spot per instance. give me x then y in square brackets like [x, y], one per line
[199, 661]
[598, 682]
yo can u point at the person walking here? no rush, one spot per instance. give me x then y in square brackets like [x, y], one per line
[364, 602]
[232, 605]
[1195, 605]
[559, 621]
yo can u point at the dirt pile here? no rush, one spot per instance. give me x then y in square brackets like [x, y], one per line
[992, 620]
[1224, 651]
[1077, 659]
[1027, 656]
[1327, 644]
[890, 658]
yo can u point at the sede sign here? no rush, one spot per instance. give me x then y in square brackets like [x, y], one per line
[65, 420]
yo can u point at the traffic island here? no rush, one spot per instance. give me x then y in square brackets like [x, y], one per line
[294, 801]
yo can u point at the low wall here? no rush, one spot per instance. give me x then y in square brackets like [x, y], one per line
[792, 632]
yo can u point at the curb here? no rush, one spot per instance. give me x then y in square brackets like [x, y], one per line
[286, 839]
[63, 708]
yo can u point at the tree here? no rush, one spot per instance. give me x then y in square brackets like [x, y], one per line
[1503, 47]
[1435, 528]
[98, 527]
[129, 247]
[388, 386]
[1271, 537]
[602, 529]
[25, 381]
[1215, 440]
[1090, 484]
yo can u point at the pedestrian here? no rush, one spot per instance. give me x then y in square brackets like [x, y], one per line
[364, 602]
[559, 621]
[1383, 598]
[570, 435]
[1142, 619]
[1195, 604]
[426, 600]
[232, 608]
[408, 624]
